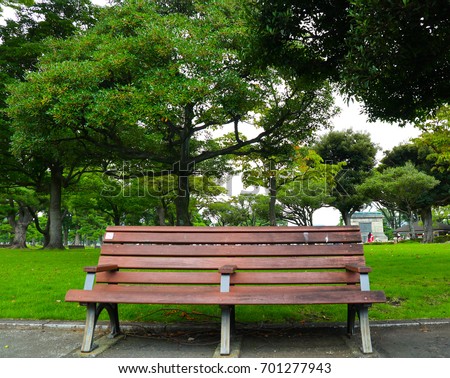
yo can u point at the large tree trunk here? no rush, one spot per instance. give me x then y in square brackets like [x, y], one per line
[183, 169]
[182, 201]
[77, 240]
[346, 217]
[20, 228]
[116, 215]
[45, 233]
[273, 200]
[161, 212]
[427, 219]
[55, 213]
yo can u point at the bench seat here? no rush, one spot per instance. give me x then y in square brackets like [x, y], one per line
[228, 266]
[210, 295]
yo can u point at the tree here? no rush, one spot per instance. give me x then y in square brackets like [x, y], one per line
[311, 188]
[299, 203]
[19, 202]
[436, 136]
[423, 158]
[278, 157]
[21, 46]
[442, 214]
[358, 152]
[242, 210]
[401, 188]
[151, 87]
[392, 55]
[393, 218]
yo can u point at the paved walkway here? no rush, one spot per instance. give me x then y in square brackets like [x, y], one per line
[415, 339]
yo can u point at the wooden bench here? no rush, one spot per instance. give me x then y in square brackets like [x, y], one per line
[228, 266]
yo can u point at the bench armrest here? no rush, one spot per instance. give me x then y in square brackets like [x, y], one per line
[227, 269]
[225, 273]
[91, 272]
[358, 269]
[100, 268]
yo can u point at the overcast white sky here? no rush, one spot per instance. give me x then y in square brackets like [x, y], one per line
[384, 134]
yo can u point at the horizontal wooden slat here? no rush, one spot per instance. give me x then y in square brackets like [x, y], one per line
[211, 295]
[232, 235]
[241, 238]
[232, 250]
[230, 229]
[287, 278]
[240, 262]
[247, 278]
[160, 278]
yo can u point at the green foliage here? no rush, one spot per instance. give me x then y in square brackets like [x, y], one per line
[442, 239]
[441, 214]
[400, 188]
[397, 63]
[301, 35]
[392, 55]
[13, 3]
[436, 137]
[32, 154]
[308, 187]
[357, 152]
[150, 84]
[130, 81]
[242, 210]
[423, 156]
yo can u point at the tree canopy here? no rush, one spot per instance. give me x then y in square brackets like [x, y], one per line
[154, 87]
[391, 55]
[402, 188]
[22, 44]
[436, 136]
[422, 157]
[357, 151]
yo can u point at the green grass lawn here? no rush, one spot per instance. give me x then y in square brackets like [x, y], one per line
[415, 278]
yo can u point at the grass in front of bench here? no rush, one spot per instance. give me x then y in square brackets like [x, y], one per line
[415, 278]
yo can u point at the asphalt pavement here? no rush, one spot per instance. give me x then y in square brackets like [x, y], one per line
[52, 339]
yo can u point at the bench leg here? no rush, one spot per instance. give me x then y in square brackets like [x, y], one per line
[363, 314]
[351, 316]
[92, 314]
[89, 328]
[225, 332]
[113, 314]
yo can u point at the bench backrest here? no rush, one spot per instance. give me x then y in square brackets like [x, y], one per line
[263, 255]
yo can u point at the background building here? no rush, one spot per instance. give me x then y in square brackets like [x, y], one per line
[370, 222]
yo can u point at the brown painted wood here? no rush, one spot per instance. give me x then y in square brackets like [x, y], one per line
[210, 295]
[153, 278]
[100, 268]
[230, 229]
[210, 278]
[232, 235]
[268, 265]
[180, 237]
[358, 269]
[227, 269]
[240, 262]
[288, 278]
[232, 250]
